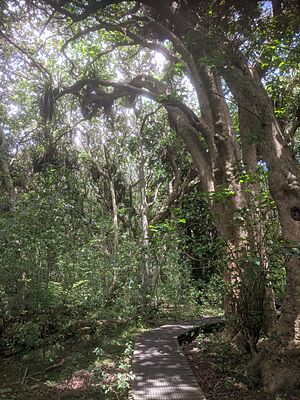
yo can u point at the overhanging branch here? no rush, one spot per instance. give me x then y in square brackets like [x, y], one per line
[34, 62]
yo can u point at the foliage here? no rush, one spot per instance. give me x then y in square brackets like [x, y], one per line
[96, 362]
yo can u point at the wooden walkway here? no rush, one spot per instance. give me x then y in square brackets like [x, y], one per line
[161, 370]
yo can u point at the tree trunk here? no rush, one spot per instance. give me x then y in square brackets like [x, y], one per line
[218, 170]
[218, 163]
[146, 282]
[282, 370]
[252, 188]
[115, 216]
[111, 182]
[112, 191]
[5, 173]
[281, 367]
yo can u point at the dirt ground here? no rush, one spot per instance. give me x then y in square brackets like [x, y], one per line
[219, 370]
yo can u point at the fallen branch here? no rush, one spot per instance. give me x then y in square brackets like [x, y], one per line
[50, 368]
[24, 376]
[33, 379]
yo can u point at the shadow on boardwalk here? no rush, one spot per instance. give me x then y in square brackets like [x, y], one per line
[160, 368]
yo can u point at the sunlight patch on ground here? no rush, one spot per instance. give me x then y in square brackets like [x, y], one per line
[77, 381]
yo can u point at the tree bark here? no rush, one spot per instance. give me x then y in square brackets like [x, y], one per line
[5, 172]
[216, 178]
[114, 248]
[145, 275]
[111, 183]
[283, 366]
[248, 127]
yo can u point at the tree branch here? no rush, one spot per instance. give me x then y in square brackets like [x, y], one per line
[90, 9]
[122, 28]
[35, 63]
[187, 58]
[181, 117]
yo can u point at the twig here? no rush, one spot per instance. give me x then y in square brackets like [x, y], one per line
[34, 379]
[24, 376]
[60, 364]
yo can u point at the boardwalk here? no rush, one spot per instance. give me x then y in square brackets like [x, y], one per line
[161, 370]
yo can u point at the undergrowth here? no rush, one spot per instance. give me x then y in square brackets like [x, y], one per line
[89, 358]
[74, 354]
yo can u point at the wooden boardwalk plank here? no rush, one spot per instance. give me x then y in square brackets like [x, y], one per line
[161, 370]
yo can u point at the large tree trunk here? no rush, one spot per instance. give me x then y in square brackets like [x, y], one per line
[282, 371]
[218, 164]
[255, 216]
[228, 198]
[281, 368]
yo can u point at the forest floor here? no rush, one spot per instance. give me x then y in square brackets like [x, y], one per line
[91, 360]
[92, 364]
[219, 370]
[82, 356]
